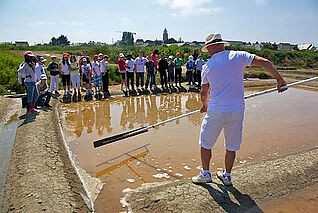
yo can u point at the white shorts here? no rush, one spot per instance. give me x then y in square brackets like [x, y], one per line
[215, 121]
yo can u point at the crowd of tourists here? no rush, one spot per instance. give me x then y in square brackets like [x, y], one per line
[82, 74]
[170, 70]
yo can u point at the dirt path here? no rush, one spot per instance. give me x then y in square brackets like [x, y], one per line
[41, 177]
[253, 183]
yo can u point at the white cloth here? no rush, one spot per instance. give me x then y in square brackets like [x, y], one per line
[140, 64]
[54, 85]
[130, 65]
[75, 79]
[95, 66]
[103, 66]
[224, 72]
[215, 121]
[39, 70]
[25, 71]
[64, 67]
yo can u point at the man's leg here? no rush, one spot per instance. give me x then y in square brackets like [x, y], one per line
[205, 158]
[229, 160]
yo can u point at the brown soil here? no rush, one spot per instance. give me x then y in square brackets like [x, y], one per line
[253, 184]
[41, 177]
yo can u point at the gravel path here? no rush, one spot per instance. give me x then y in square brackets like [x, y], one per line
[41, 177]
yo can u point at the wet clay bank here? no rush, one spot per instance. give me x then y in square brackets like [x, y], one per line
[275, 124]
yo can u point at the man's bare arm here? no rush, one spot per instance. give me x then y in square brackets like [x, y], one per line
[204, 97]
[269, 67]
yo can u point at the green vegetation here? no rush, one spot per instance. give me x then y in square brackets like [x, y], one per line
[10, 58]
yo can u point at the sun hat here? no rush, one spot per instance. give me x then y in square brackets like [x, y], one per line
[43, 77]
[105, 56]
[65, 55]
[170, 57]
[53, 56]
[42, 59]
[84, 60]
[29, 53]
[96, 56]
[121, 55]
[191, 58]
[100, 54]
[213, 39]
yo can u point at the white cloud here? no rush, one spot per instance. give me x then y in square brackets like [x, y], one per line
[261, 2]
[190, 7]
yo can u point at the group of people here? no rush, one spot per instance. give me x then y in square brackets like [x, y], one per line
[170, 70]
[78, 72]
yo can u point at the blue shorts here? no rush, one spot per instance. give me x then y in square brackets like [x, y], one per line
[97, 80]
[32, 92]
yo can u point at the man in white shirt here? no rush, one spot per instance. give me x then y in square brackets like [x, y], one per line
[222, 80]
[140, 69]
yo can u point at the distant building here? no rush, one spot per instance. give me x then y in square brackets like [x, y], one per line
[285, 46]
[236, 43]
[21, 43]
[308, 47]
[139, 42]
[165, 35]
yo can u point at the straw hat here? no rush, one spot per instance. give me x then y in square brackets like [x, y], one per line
[213, 39]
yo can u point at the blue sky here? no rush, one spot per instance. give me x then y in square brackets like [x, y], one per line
[248, 20]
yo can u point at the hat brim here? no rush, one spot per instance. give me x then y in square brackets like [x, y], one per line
[205, 49]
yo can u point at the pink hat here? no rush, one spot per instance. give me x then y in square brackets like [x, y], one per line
[29, 53]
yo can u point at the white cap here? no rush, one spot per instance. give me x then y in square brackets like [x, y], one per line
[191, 58]
[100, 54]
[121, 55]
[170, 57]
[43, 77]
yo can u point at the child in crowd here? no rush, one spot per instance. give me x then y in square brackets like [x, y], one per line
[130, 63]
[155, 60]
[190, 68]
[75, 75]
[163, 67]
[171, 71]
[40, 68]
[140, 62]
[104, 71]
[122, 70]
[96, 74]
[53, 68]
[64, 67]
[178, 69]
[198, 68]
[80, 65]
[86, 70]
[26, 71]
[150, 67]
[44, 93]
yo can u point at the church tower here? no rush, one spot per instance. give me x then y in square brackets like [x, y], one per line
[165, 35]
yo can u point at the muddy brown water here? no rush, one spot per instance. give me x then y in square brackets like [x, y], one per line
[275, 124]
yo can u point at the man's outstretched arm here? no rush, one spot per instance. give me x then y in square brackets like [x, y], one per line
[269, 67]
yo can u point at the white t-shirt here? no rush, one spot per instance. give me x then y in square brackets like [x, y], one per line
[103, 66]
[64, 68]
[140, 64]
[95, 66]
[224, 73]
[130, 65]
[39, 70]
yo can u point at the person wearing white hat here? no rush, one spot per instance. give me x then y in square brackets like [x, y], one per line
[190, 68]
[39, 67]
[122, 70]
[44, 93]
[222, 81]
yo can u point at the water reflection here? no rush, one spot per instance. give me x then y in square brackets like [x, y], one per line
[127, 113]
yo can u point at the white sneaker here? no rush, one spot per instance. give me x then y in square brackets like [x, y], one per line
[200, 178]
[226, 180]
